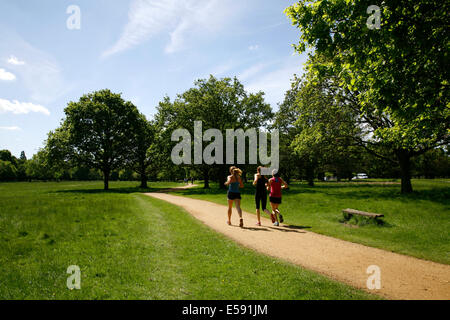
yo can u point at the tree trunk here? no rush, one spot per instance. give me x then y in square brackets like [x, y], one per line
[206, 178]
[106, 173]
[144, 181]
[143, 176]
[310, 176]
[321, 176]
[404, 160]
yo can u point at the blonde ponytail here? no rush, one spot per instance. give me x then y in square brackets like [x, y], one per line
[237, 172]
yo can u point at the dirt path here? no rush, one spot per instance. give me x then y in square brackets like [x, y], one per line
[402, 277]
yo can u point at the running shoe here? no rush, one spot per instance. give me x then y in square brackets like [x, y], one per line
[258, 224]
[276, 224]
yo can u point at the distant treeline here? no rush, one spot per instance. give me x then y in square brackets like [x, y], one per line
[433, 164]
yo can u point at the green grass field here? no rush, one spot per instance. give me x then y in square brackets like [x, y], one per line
[416, 224]
[130, 246]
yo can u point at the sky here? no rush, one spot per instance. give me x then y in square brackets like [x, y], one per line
[144, 49]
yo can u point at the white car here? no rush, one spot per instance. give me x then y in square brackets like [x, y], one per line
[361, 176]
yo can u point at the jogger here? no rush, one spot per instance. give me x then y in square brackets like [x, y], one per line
[234, 182]
[261, 196]
[275, 185]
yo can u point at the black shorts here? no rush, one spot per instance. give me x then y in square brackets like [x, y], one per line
[261, 199]
[234, 195]
[275, 200]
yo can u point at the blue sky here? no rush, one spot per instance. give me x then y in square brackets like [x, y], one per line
[145, 49]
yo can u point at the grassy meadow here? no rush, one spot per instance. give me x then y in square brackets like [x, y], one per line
[417, 224]
[130, 246]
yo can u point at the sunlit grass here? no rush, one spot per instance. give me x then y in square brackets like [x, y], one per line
[130, 246]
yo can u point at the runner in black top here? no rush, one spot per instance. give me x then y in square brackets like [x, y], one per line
[261, 195]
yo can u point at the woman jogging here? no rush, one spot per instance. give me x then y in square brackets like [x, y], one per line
[234, 182]
[261, 196]
[275, 185]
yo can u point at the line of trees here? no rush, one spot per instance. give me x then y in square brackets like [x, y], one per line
[374, 101]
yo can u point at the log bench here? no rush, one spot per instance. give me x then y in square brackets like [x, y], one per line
[350, 212]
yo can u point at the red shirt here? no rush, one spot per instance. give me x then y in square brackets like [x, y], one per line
[275, 187]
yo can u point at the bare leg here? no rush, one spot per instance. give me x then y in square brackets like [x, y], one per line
[230, 210]
[258, 215]
[237, 202]
[274, 210]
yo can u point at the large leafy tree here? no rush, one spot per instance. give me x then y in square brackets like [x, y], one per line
[99, 132]
[396, 77]
[143, 156]
[220, 104]
[285, 120]
[322, 128]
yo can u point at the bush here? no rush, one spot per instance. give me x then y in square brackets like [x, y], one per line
[8, 172]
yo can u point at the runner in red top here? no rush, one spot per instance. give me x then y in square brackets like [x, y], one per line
[275, 185]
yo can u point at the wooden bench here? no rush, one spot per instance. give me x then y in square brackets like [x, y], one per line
[350, 212]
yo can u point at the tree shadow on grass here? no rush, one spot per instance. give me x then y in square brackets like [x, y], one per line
[114, 190]
[438, 195]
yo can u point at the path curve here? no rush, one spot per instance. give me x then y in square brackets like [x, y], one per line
[402, 277]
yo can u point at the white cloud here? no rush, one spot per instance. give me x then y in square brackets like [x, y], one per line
[41, 76]
[6, 76]
[15, 61]
[181, 20]
[17, 107]
[10, 128]
[253, 47]
[276, 82]
[222, 69]
[252, 71]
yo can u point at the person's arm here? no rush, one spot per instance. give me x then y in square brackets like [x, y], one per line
[227, 183]
[256, 180]
[241, 184]
[268, 185]
[284, 184]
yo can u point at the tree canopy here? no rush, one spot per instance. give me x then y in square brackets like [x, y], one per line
[395, 78]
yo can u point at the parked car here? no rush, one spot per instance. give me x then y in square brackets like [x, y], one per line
[360, 176]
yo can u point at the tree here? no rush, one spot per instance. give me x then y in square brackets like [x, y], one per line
[396, 77]
[142, 157]
[220, 104]
[432, 164]
[22, 167]
[319, 128]
[8, 171]
[38, 167]
[99, 131]
[6, 155]
[285, 120]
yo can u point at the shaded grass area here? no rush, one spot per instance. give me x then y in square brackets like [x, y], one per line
[130, 246]
[417, 224]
